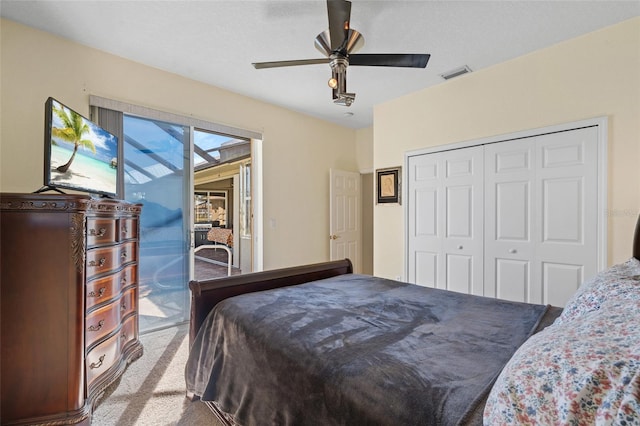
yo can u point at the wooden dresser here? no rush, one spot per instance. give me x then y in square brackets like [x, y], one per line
[69, 300]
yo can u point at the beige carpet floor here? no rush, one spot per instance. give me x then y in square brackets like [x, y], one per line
[152, 390]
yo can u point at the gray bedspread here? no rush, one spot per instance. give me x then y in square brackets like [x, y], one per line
[355, 350]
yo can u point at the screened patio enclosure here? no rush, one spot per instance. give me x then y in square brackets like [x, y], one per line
[157, 173]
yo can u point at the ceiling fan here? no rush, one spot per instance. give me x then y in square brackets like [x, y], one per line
[339, 44]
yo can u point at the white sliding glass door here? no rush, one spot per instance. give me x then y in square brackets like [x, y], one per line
[168, 157]
[157, 174]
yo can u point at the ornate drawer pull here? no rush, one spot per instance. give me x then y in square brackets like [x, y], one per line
[99, 263]
[99, 294]
[124, 254]
[100, 233]
[123, 280]
[123, 336]
[97, 364]
[123, 307]
[96, 327]
[125, 230]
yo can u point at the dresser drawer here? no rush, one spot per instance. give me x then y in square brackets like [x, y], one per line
[103, 289]
[102, 260]
[100, 231]
[128, 228]
[101, 322]
[129, 330]
[103, 356]
[128, 253]
[128, 303]
[107, 259]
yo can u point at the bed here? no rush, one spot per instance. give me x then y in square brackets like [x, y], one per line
[318, 344]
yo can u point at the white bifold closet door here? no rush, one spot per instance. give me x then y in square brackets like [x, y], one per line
[446, 220]
[530, 211]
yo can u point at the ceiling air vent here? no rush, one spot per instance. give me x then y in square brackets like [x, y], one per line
[456, 72]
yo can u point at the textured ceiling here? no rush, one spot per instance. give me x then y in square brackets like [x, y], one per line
[215, 42]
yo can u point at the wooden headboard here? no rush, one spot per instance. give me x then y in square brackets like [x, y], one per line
[636, 241]
[206, 294]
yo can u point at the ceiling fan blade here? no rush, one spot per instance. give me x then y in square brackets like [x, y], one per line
[390, 60]
[339, 12]
[276, 64]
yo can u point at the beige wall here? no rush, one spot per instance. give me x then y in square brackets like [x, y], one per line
[298, 150]
[364, 154]
[594, 75]
[364, 149]
[366, 264]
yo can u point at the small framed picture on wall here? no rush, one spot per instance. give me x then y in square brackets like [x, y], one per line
[388, 183]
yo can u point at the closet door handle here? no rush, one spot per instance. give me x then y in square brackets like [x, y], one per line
[513, 251]
[460, 247]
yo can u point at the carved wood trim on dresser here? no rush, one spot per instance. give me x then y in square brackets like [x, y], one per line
[69, 303]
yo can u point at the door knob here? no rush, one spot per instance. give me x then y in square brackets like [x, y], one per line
[513, 251]
[334, 237]
[460, 247]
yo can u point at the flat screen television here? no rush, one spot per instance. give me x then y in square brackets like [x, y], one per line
[79, 154]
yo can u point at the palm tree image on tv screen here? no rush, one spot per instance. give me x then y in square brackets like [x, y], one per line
[83, 155]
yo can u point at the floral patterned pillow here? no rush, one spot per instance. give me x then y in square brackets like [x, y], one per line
[618, 281]
[585, 371]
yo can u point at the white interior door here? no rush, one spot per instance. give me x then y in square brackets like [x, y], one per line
[541, 210]
[446, 220]
[515, 218]
[566, 244]
[464, 220]
[510, 225]
[344, 217]
[425, 230]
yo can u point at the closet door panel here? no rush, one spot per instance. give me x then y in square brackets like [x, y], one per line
[513, 279]
[460, 273]
[426, 207]
[426, 262]
[566, 245]
[426, 268]
[512, 211]
[426, 227]
[445, 216]
[459, 212]
[559, 282]
[509, 195]
[516, 219]
[463, 214]
[562, 205]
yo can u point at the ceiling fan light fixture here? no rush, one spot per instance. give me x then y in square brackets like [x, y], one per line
[344, 99]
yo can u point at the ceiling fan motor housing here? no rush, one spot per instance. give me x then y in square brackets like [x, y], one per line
[339, 93]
